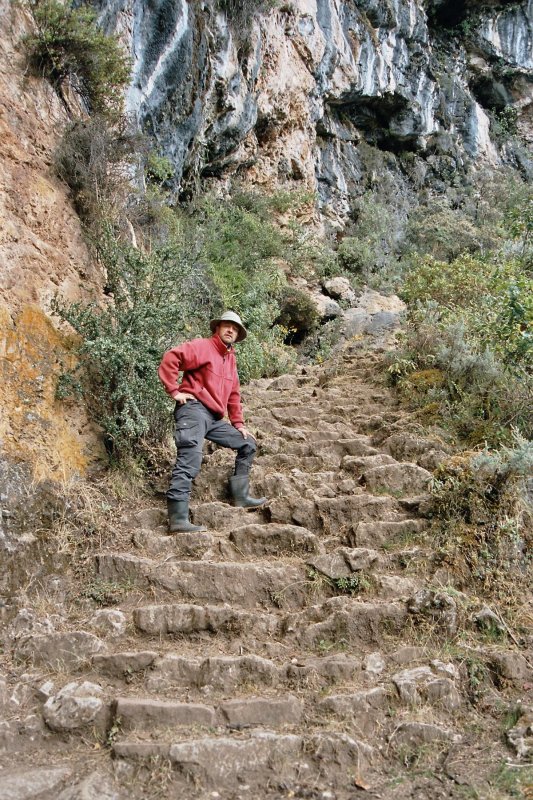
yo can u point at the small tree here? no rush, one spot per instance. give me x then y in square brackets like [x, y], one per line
[68, 44]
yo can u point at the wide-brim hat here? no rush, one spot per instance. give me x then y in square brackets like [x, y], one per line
[230, 316]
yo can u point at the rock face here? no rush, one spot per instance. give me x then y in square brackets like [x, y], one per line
[42, 251]
[311, 93]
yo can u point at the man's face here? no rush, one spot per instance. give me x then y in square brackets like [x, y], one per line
[228, 332]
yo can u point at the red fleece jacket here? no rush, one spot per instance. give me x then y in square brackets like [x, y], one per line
[210, 374]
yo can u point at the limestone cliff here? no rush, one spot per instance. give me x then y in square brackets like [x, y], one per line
[290, 101]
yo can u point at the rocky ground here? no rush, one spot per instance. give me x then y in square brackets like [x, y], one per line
[311, 649]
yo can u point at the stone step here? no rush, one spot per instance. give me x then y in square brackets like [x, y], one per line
[246, 584]
[183, 545]
[364, 571]
[273, 712]
[365, 709]
[274, 539]
[296, 482]
[134, 712]
[341, 515]
[149, 714]
[397, 478]
[295, 415]
[357, 447]
[214, 674]
[283, 462]
[359, 464]
[228, 673]
[219, 516]
[124, 665]
[182, 618]
[226, 763]
[381, 534]
[346, 620]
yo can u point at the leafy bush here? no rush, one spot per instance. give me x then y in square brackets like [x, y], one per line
[442, 232]
[483, 525]
[153, 297]
[158, 168]
[471, 320]
[492, 297]
[68, 44]
[243, 249]
[371, 249]
[92, 158]
[298, 314]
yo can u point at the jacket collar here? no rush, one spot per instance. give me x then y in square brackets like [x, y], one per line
[220, 346]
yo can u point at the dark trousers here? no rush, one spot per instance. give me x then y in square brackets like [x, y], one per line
[194, 423]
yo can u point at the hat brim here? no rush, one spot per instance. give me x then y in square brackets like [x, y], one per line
[242, 331]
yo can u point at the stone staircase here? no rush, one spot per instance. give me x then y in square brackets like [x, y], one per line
[300, 650]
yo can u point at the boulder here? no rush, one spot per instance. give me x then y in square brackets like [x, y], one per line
[438, 606]
[343, 562]
[374, 663]
[406, 446]
[27, 784]
[511, 666]
[340, 289]
[75, 706]
[109, 622]
[325, 306]
[420, 684]
[94, 787]
[27, 623]
[414, 734]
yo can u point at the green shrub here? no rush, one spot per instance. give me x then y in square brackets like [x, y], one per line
[483, 518]
[442, 232]
[158, 168]
[472, 320]
[370, 250]
[491, 297]
[471, 391]
[68, 44]
[298, 314]
[503, 123]
[154, 298]
[242, 249]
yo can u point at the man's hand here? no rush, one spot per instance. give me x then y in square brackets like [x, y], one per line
[182, 397]
[245, 432]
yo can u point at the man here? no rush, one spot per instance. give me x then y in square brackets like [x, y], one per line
[208, 390]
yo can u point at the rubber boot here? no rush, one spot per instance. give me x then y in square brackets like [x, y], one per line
[240, 486]
[178, 518]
